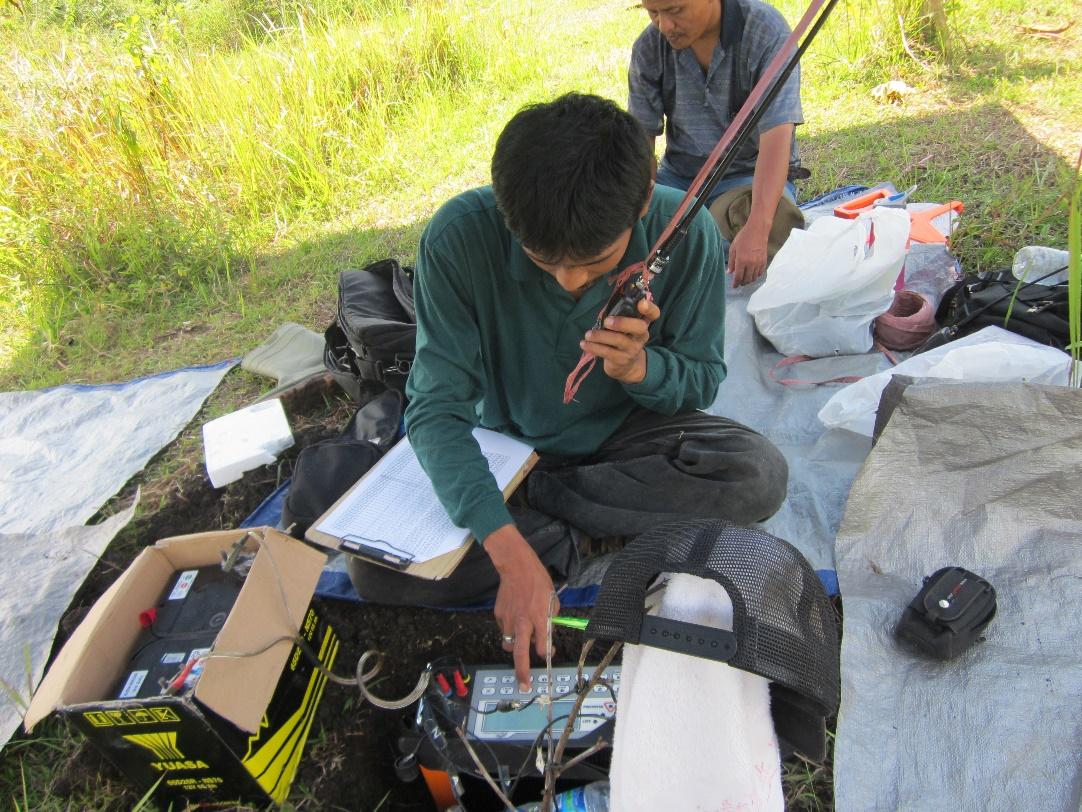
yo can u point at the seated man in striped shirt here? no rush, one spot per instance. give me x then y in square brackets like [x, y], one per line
[691, 70]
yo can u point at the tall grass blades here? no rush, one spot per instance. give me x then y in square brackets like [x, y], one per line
[880, 35]
[203, 23]
[141, 166]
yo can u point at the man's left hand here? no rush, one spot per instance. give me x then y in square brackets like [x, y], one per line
[747, 253]
[622, 343]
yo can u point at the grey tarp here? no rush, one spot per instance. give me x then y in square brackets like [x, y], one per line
[822, 463]
[34, 596]
[987, 477]
[63, 453]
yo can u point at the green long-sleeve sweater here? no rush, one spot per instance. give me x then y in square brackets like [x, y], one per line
[497, 337]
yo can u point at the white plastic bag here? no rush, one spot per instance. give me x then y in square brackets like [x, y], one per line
[827, 284]
[988, 355]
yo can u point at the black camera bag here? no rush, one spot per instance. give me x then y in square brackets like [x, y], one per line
[949, 613]
[374, 335]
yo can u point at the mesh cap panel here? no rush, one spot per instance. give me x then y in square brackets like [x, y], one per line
[783, 622]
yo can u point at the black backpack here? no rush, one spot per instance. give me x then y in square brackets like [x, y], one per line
[997, 299]
[327, 469]
[373, 338]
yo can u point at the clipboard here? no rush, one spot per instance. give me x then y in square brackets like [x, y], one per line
[347, 526]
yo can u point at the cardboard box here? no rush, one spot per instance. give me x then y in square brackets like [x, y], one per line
[238, 734]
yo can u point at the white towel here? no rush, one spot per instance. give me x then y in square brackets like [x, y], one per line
[691, 733]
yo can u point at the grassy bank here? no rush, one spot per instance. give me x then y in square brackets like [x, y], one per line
[144, 172]
[167, 170]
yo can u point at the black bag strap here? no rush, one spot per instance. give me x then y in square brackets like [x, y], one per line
[732, 34]
[402, 285]
[946, 312]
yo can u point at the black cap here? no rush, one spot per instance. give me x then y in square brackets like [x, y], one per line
[783, 623]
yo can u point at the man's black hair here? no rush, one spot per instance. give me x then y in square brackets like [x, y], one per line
[571, 175]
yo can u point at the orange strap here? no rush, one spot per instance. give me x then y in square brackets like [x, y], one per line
[920, 222]
[439, 787]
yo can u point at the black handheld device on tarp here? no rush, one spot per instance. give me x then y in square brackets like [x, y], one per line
[952, 609]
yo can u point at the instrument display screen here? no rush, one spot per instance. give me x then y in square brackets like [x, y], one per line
[526, 720]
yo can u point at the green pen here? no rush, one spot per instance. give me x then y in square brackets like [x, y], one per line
[579, 623]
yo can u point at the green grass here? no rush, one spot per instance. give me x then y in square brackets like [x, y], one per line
[152, 172]
[178, 178]
[168, 169]
[33, 774]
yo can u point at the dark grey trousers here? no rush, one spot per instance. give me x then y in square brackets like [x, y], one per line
[653, 469]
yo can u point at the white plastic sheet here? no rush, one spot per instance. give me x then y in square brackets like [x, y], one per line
[991, 354]
[987, 477]
[43, 572]
[64, 451]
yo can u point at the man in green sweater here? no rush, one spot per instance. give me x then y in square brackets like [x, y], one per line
[510, 279]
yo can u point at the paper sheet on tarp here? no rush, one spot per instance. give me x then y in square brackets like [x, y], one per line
[42, 574]
[64, 451]
[987, 477]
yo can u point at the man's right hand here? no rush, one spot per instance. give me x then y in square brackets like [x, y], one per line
[524, 599]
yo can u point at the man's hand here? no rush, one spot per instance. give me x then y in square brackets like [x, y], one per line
[622, 343]
[747, 253]
[524, 600]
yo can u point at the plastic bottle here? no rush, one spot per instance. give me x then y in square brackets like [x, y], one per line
[590, 798]
[1034, 261]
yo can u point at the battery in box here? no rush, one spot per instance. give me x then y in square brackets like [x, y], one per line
[183, 627]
